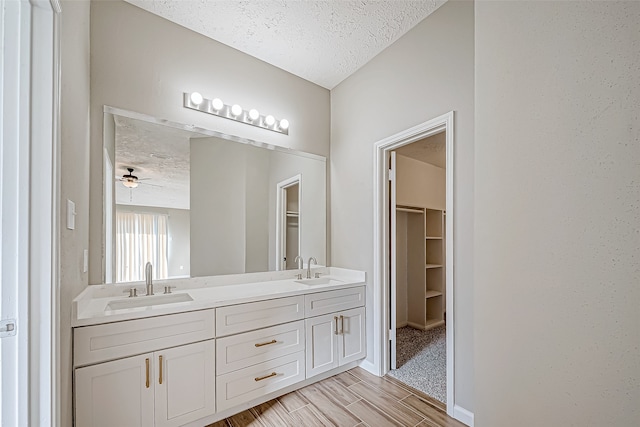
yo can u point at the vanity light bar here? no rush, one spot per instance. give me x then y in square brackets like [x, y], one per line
[216, 107]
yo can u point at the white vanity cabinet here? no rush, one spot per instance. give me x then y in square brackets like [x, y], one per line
[169, 385]
[196, 367]
[336, 338]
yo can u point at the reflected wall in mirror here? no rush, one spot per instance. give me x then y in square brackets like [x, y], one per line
[194, 202]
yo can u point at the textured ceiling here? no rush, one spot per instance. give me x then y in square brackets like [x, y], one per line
[430, 150]
[160, 158]
[321, 41]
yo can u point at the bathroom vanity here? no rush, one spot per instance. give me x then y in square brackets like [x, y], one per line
[213, 346]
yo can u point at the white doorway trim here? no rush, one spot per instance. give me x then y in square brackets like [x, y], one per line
[381, 238]
[29, 176]
[281, 222]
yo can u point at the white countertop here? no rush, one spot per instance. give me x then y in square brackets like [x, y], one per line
[90, 307]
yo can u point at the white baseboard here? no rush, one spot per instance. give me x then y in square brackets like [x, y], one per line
[462, 415]
[370, 367]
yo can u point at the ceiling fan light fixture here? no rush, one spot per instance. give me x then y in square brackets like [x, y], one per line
[130, 180]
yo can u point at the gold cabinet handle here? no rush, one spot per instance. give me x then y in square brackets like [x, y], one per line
[335, 319]
[265, 343]
[146, 361]
[160, 361]
[342, 325]
[272, 374]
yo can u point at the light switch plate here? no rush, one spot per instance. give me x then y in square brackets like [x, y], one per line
[71, 215]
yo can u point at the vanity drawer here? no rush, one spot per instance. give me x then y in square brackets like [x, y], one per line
[250, 348]
[93, 344]
[255, 315]
[255, 381]
[333, 301]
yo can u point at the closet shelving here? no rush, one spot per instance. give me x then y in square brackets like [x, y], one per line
[425, 242]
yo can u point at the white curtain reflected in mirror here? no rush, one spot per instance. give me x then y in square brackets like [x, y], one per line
[140, 238]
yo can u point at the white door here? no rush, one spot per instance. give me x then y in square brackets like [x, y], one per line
[184, 383]
[393, 263]
[118, 393]
[321, 344]
[351, 338]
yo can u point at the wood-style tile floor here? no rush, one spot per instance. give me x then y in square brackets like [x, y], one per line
[353, 398]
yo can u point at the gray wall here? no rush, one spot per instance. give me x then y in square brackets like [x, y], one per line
[426, 73]
[557, 214]
[74, 180]
[143, 63]
[256, 216]
[222, 208]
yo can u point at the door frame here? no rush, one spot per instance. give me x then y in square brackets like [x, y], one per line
[30, 176]
[281, 221]
[381, 240]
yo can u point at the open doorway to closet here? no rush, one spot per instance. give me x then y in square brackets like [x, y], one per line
[384, 289]
[418, 264]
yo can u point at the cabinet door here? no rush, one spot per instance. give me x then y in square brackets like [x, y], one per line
[184, 383]
[351, 338]
[321, 344]
[118, 393]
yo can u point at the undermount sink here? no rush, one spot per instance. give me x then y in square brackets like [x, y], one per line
[320, 281]
[144, 301]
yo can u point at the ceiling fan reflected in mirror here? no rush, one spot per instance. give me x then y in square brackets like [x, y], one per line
[131, 181]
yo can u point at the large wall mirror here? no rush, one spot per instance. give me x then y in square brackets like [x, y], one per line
[195, 202]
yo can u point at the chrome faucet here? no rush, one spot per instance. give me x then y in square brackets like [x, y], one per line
[148, 274]
[309, 266]
[300, 264]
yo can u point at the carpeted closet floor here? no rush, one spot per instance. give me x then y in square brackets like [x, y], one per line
[422, 360]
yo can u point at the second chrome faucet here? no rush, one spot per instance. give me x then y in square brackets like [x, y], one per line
[309, 266]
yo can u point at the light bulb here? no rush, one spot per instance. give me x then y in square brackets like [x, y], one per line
[254, 114]
[284, 124]
[217, 104]
[236, 110]
[130, 184]
[269, 120]
[196, 98]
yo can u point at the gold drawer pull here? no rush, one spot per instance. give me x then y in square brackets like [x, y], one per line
[146, 361]
[335, 319]
[160, 370]
[265, 343]
[272, 374]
